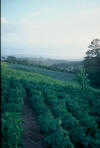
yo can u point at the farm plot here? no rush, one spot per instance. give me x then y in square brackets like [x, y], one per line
[66, 115]
[54, 74]
[64, 120]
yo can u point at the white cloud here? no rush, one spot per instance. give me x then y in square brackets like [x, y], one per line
[4, 20]
[40, 12]
[62, 37]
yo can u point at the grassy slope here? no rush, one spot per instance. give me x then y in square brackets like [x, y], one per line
[74, 100]
[54, 74]
[20, 74]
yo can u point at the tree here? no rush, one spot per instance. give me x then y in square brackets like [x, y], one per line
[92, 63]
[25, 61]
[11, 59]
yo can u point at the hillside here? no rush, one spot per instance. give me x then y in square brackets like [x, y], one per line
[51, 73]
[67, 116]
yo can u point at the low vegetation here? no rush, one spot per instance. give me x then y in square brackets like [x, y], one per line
[51, 73]
[11, 109]
[67, 114]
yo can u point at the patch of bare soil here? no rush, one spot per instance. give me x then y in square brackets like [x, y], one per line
[31, 136]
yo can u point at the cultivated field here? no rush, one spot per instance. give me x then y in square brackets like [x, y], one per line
[67, 116]
[54, 74]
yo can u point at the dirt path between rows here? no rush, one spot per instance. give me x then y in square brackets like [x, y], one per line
[31, 136]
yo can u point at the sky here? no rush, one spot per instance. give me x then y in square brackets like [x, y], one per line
[50, 28]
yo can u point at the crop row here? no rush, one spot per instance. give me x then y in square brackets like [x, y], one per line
[54, 135]
[53, 109]
[81, 127]
[11, 107]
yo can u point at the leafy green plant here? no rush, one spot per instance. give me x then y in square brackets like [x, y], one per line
[67, 117]
[82, 79]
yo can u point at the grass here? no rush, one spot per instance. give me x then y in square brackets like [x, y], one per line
[7, 71]
[54, 74]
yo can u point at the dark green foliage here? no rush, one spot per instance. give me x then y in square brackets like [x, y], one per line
[67, 112]
[47, 123]
[12, 94]
[67, 117]
[82, 79]
[11, 130]
[92, 63]
[58, 139]
[49, 126]
[11, 59]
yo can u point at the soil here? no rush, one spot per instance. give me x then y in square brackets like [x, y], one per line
[31, 136]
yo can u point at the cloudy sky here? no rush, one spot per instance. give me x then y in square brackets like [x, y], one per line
[50, 28]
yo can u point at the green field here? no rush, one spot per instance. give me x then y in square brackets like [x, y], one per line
[54, 74]
[68, 116]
